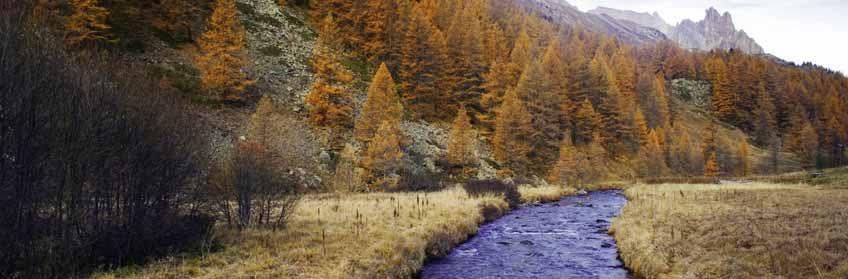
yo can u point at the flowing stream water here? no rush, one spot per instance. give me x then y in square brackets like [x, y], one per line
[567, 239]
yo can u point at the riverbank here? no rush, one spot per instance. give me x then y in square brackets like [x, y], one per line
[375, 235]
[751, 230]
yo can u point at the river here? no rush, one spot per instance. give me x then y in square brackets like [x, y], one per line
[567, 239]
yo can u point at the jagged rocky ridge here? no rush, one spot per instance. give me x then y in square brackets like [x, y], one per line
[715, 31]
[559, 11]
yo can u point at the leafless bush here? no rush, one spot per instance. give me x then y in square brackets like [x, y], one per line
[509, 192]
[257, 186]
[94, 160]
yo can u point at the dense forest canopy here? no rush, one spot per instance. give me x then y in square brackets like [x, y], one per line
[446, 56]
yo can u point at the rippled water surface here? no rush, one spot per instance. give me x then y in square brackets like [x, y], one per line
[567, 239]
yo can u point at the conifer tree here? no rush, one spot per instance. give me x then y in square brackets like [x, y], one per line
[511, 142]
[577, 74]
[711, 168]
[495, 43]
[383, 158]
[651, 162]
[765, 123]
[222, 58]
[465, 48]
[565, 170]
[586, 122]
[641, 127]
[663, 111]
[543, 104]
[461, 146]
[346, 14]
[553, 81]
[709, 145]
[522, 53]
[615, 128]
[330, 100]
[87, 24]
[744, 161]
[424, 58]
[804, 142]
[382, 104]
[380, 28]
[682, 158]
[723, 100]
[498, 80]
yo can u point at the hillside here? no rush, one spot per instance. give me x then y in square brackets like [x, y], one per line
[279, 45]
[344, 138]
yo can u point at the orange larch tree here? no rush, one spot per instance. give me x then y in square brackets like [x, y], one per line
[382, 104]
[383, 157]
[330, 99]
[744, 160]
[423, 61]
[87, 25]
[511, 141]
[565, 170]
[586, 122]
[461, 148]
[222, 57]
[465, 48]
[711, 167]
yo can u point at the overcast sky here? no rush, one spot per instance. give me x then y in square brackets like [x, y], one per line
[795, 30]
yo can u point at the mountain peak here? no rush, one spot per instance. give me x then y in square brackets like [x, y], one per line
[715, 31]
[712, 12]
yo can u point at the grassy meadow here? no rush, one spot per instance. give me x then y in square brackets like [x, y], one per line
[375, 235]
[750, 230]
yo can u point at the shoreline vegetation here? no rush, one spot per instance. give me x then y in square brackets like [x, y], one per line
[737, 229]
[373, 235]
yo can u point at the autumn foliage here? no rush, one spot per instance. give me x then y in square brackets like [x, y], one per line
[382, 104]
[222, 59]
[330, 99]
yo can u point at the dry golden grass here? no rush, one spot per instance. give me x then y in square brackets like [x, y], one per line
[544, 194]
[332, 236]
[754, 230]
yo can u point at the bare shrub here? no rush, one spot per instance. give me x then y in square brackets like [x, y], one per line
[253, 190]
[257, 184]
[509, 192]
[96, 161]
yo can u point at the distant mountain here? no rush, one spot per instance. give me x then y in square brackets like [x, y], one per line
[645, 19]
[559, 11]
[715, 31]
